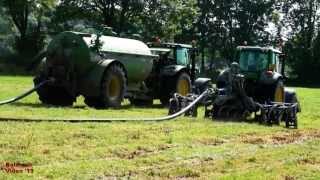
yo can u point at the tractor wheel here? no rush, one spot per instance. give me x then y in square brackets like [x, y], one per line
[295, 100]
[53, 95]
[113, 87]
[291, 97]
[180, 83]
[183, 84]
[279, 94]
[141, 102]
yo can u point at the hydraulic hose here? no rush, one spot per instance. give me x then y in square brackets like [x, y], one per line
[15, 99]
[104, 120]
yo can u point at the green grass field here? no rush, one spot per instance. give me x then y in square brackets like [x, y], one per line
[181, 149]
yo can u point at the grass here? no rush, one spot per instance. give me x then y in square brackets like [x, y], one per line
[185, 148]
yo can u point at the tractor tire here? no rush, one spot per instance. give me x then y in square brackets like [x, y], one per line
[180, 83]
[93, 102]
[113, 87]
[52, 95]
[279, 94]
[291, 97]
[141, 102]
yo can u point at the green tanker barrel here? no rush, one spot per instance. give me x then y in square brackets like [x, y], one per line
[102, 72]
[68, 49]
[133, 54]
[74, 48]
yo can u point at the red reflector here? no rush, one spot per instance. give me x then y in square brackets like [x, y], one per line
[269, 73]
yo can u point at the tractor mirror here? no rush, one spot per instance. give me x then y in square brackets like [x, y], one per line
[283, 65]
[283, 56]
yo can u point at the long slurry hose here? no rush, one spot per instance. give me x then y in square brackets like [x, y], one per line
[15, 99]
[97, 120]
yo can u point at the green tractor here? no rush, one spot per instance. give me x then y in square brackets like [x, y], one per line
[253, 85]
[263, 69]
[176, 69]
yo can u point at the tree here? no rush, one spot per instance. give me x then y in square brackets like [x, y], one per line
[225, 24]
[171, 20]
[112, 13]
[27, 16]
[5, 23]
[302, 18]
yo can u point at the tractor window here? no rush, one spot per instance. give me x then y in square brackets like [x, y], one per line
[253, 61]
[182, 56]
[279, 64]
[274, 58]
[170, 54]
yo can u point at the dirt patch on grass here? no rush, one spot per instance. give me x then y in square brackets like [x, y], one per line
[289, 178]
[127, 175]
[176, 169]
[309, 160]
[141, 151]
[82, 135]
[210, 141]
[288, 137]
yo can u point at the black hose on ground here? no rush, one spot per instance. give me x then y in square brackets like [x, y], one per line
[98, 120]
[15, 99]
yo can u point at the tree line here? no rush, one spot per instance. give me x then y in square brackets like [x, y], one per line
[218, 26]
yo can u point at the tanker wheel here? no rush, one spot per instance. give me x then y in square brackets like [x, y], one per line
[93, 102]
[141, 102]
[52, 95]
[113, 86]
[279, 94]
[180, 83]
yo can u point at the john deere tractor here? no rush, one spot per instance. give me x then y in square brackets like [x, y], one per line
[263, 69]
[176, 69]
[253, 85]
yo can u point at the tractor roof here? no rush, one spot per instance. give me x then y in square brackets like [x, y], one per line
[258, 48]
[170, 45]
[161, 49]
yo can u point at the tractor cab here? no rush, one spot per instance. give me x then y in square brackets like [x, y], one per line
[172, 53]
[175, 57]
[257, 61]
[263, 69]
[175, 67]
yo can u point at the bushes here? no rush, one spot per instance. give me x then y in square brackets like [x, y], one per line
[28, 47]
[13, 62]
[12, 69]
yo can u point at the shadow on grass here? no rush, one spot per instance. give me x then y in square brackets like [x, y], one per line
[247, 121]
[38, 105]
[294, 83]
[154, 106]
[22, 74]
[12, 70]
[123, 107]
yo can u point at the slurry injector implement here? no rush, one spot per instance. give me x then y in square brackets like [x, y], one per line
[251, 86]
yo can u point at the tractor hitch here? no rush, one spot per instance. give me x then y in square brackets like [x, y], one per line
[179, 102]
